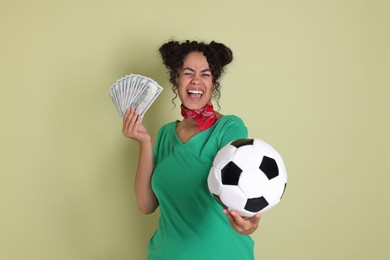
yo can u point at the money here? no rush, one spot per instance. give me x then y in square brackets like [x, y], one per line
[134, 91]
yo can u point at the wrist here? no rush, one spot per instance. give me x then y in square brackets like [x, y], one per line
[146, 142]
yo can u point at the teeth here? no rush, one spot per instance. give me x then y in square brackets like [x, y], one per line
[195, 92]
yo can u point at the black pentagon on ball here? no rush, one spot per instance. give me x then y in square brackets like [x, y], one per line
[230, 174]
[256, 204]
[269, 167]
[241, 142]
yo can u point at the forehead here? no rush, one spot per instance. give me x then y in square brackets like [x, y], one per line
[195, 60]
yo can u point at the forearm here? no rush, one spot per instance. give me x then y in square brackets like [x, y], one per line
[146, 199]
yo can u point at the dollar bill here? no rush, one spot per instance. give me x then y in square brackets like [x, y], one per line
[134, 91]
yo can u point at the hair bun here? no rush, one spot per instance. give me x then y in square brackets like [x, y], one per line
[168, 53]
[225, 54]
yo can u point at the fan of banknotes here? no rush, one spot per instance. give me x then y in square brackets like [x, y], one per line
[134, 91]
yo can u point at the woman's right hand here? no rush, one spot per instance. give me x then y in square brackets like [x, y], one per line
[133, 128]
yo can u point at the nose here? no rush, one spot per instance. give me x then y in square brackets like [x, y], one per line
[195, 81]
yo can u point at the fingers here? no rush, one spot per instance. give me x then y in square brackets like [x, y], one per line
[243, 225]
[130, 122]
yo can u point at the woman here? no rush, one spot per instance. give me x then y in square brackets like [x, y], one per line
[173, 174]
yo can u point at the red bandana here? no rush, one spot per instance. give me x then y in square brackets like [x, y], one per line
[205, 117]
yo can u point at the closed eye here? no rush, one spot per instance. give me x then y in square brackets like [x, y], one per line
[188, 71]
[206, 73]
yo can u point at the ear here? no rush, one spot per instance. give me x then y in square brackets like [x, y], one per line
[215, 83]
[177, 76]
[176, 82]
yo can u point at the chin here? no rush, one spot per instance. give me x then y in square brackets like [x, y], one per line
[193, 105]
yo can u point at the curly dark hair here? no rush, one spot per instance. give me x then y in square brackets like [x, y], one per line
[218, 56]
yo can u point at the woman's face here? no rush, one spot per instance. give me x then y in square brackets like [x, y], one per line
[195, 82]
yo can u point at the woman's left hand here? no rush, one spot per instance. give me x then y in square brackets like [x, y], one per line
[243, 225]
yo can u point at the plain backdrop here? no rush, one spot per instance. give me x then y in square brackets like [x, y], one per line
[309, 77]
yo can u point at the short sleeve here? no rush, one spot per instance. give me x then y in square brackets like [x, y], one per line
[233, 129]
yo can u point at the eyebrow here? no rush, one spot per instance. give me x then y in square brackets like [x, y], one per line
[205, 70]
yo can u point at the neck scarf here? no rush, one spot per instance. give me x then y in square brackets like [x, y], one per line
[205, 117]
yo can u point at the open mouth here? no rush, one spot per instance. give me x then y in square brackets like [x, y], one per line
[195, 93]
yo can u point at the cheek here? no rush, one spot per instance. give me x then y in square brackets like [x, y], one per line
[181, 81]
[210, 87]
[181, 91]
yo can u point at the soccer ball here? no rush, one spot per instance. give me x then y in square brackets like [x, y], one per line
[247, 176]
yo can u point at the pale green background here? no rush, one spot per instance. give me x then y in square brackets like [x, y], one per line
[309, 77]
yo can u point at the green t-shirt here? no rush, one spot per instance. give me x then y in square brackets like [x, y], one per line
[192, 224]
